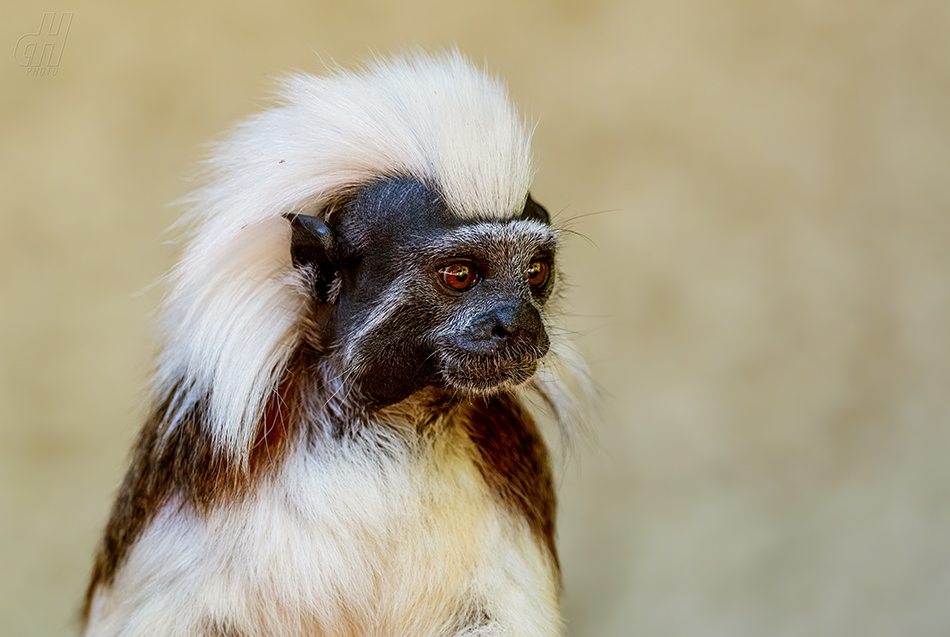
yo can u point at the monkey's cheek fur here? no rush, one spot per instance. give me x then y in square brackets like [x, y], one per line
[485, 373]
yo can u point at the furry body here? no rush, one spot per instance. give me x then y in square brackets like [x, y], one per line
[340, 444]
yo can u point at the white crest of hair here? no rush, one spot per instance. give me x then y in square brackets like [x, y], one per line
[231, 319]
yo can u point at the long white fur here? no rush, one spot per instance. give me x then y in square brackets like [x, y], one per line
[230, 319]
[312, 550]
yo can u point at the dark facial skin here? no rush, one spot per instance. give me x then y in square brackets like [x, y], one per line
[427, 298]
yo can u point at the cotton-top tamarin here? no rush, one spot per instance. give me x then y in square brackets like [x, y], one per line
[341, 439]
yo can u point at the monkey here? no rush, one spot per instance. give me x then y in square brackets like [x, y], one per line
[359, 346]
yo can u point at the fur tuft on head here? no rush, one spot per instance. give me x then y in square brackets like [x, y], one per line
[234, 315]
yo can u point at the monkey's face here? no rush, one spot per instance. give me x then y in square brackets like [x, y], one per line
[490, 282]
[427, 298]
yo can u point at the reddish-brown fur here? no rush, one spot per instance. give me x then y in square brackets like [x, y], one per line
[187, 466]
[514, 462]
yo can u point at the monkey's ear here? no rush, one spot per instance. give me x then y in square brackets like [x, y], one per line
[311, 240]
[312, 244]
[533, 211]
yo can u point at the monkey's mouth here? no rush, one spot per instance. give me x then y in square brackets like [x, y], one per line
[485, 373]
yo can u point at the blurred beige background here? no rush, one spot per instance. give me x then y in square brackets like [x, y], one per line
[765, 297]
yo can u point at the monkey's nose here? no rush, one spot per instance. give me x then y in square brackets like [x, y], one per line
[508, 325]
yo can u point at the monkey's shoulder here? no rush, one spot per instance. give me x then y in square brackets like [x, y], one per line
[514, 461]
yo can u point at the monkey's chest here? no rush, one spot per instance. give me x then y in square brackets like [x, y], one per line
[385, 543]
[341, 545]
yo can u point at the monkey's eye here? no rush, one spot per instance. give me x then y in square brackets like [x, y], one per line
[458, 276]
[538, 274]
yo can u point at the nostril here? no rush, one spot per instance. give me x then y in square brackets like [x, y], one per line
[499, 332]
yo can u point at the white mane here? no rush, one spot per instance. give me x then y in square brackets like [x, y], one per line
[230, 319]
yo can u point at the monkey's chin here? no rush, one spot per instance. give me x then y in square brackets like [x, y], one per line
[481, 375]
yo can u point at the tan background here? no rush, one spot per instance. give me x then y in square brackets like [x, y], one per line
[766, 302]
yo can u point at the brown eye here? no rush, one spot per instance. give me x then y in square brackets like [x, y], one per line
[538, 273]
[458, 276]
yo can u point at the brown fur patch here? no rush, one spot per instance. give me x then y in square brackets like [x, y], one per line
[277, 423]
[185, 463]
[514, 462]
